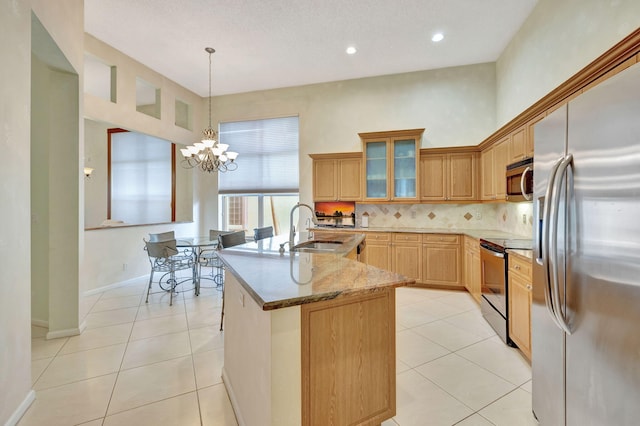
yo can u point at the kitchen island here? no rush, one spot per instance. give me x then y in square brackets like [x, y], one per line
[309, 336]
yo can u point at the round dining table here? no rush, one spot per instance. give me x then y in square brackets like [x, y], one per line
[200, 248]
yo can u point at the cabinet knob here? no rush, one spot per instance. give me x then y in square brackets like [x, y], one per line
[528, 286]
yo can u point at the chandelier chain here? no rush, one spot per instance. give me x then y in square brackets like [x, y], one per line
[209, 155]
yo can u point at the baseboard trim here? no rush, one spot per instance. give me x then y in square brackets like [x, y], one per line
[112, 286]
[39, 323]
[232, 397]
[22, 408]
[68, 332]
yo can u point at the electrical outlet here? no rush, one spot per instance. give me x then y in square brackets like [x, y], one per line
[124, 266]
[524, 218]
[413, 214]
[478, 215]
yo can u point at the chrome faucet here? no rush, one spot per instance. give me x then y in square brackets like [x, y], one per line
[292, 229]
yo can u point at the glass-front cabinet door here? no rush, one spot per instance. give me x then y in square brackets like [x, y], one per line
[404, 168]
[391, 165]
[376, 170]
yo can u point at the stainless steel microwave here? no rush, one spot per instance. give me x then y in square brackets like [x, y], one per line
[520, 180]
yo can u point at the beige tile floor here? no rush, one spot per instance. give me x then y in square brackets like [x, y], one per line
[152, 364]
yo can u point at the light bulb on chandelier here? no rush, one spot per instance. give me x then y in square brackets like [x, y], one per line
[209, 155]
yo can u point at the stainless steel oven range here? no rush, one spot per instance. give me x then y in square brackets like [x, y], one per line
[494, 301]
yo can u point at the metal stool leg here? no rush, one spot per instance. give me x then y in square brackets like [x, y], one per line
[222, 312]
[149, 287]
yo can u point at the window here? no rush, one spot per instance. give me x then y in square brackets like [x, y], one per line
[141, 178]
[264, 188]
[236, 211]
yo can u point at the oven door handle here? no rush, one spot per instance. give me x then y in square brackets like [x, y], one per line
[492, 253]
[522, 180]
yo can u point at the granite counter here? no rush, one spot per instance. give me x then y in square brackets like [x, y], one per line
[277, 280]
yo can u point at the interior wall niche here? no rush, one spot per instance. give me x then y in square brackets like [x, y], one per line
[147, 98]
[183, 115]
[99, 78]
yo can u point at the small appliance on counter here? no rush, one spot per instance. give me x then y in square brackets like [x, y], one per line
[336, 214]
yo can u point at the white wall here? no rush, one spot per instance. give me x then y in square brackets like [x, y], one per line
[15, 334]
[107, 251]
[557, 40]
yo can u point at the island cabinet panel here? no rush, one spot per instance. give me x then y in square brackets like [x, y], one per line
[348, 360]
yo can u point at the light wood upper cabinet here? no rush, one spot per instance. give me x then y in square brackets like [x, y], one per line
[494, 166]
[448, 177]
[517, 145]
[501, 159]
[337, 177]
[390, 161]
[488, 174]
[529, 147]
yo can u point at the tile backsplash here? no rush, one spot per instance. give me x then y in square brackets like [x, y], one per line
[516, 218]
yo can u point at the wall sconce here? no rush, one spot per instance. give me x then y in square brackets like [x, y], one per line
[88, 171]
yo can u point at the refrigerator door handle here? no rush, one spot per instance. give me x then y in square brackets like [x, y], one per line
[544, 261]
[522, 181]
[553, 242]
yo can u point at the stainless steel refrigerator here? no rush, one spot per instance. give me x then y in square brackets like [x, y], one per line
[586, 295]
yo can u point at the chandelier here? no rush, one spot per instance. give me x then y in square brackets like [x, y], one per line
[209, 155]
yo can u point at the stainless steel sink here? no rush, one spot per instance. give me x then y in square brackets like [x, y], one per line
[317, 245]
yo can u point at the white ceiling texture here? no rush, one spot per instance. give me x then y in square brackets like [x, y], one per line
[266, 44]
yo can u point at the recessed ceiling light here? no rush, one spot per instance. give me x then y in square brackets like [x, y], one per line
[351, 50]
[437, 37]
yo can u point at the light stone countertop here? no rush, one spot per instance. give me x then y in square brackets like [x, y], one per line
[527, 254]
[473, 233]
[277, 280]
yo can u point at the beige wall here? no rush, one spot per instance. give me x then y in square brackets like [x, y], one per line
[455, 105]
[557, 40]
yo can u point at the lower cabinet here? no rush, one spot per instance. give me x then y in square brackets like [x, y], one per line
[406, 252]
[471, 275]
[377, 250]
[520, 302]
[441, 260]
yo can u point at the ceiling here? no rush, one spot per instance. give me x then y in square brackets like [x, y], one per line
[266, 44]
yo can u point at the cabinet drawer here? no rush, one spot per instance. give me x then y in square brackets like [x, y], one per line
[441, 238]
[378, 236]
[413, 238]
[520, 266]
[471, 244]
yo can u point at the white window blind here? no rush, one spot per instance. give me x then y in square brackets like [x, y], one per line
[141, 181]
[268, 156]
